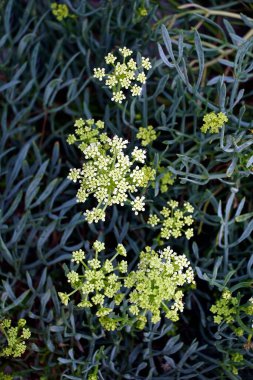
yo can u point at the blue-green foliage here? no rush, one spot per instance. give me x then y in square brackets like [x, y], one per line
[46, 83]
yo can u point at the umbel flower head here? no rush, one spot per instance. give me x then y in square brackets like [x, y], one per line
[15, 336]
[3, 376]
[157, 285]
[174, 221]
[147, 135]
[108, 174]
[236, 316]
[124, 75]
[60, 11]
[99, 284]
[213, 123]
[93, 375]
[225, 308]
[166, 177]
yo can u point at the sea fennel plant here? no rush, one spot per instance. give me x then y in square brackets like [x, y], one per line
[108, 174]
[124, 298]
[203, 67]
[128, 75]
[15, 338]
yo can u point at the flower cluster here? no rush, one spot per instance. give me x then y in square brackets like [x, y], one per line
[213, 123]
[174, 221]
[238, 360]
[167, 178]
[108, 174]
[147, 135]
[238, 317]
[157, 285]
[228, 307]
[142, 11]
[225, 308]
[166, 181]
[93, 375]
[86, 132]
[15, 337]
[3, 376]
[125, 75]
[99, 283]
[60, 11]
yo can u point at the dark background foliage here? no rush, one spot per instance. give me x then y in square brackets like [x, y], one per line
[45, 84]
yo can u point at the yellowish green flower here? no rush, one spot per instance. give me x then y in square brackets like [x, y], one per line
[108, 174]
[125, 52]
[123, 266]
[173, 220]
[73, 277]
[110, 59]
[166, 181]
[157, 284]
[125, 74]
[121, 250]
[108, 323]
[237, 357]
[78, 256]
[225, 308]
[146, 135]
[153, 220]
[98, 246]
[142, 11]
[235, 370]
[15, 338]
[99, 73]
[213, 123]
[238, 360]
[99, 282]
[237, 317]
[64, 297]
[93, 376]
[228, 307]
[3, 376]
[60, 11]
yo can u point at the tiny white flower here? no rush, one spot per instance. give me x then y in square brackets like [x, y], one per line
[110, 58]
[118, 97]
[136, 90]
[99, 73]
[138, 205]
[125, 52]
[146, 63]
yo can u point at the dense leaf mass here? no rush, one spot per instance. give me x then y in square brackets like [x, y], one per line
[180, 99]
